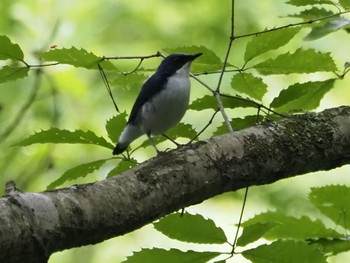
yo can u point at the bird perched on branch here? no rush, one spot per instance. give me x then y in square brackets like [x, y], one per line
[162, 102]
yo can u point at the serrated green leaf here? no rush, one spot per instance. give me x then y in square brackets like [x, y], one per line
[301, 61]
[332, 246]
[345, 4]
[248, 84]
[238, 124]
[313, 13]
[9, 50]
[115, 126]
[181, 130]
[55, 135]
[209, 61]
[263, 43]
[123, 165]
[9, 73]
[289, 227]
[328, 27]
[128, 82]
[287, 251]
[253, 232]
[75, 57]
[309, 2]
[210, 102]
[158, 255]
[333, 201]
[77, 172]
[302, 96]
[191, 228]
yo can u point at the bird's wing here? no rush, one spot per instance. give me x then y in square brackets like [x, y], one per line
[149, 89]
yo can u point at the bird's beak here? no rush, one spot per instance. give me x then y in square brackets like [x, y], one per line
[196, 56]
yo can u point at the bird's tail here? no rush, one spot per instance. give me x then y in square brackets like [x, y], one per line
[130, 133]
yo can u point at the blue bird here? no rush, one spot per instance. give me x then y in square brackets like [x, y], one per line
[162, 102]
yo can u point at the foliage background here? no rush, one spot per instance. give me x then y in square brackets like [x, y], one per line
[75, 98]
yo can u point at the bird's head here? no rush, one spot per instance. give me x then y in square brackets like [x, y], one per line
[174, 62]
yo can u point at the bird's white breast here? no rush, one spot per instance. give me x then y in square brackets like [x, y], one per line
[168, 107]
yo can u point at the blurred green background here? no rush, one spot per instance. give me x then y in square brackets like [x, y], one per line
[74, 98]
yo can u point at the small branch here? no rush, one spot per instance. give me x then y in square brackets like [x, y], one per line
[21, 113]
[206, 126]
[158, 54]
[223, 113]
[292, 25]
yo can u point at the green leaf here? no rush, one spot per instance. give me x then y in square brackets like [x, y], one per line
[9, 50]
[77, 172]
[210, 102]
[301, 61]
[262, 43]
[239, 124]
[75, 57]
[309, 2]
[333, 201]
[191, 228]
[209, 61]
[181, 130]
[115, 126]
[302, 96]
[285, 251]
[9, 73]
[345, 4]
[253, 232]
[328, 27]
[55, 135]
[158, 255]
[288, 227]
[123, 165]
[332, 246]
[313, 13]
[248, 84]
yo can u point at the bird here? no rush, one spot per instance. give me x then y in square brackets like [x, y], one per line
[161, 103]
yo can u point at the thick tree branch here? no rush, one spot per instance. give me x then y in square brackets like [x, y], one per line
[34, 225]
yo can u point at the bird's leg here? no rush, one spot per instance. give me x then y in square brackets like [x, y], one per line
[173, 141]
[152, 142]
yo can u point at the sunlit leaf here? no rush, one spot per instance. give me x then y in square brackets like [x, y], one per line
[209, 61]
[55, 135]
[123, 165]
[262, 43]
[10, 50]
[309, 2]
[253, 232]
[302, 96]
[191, 228]
[75, 57]
[77, 172]
[115, 126]
[9, 73]
[301, 61]
[238, 124]
[158, 255]
[287, 251]
[289, 227]
[328, 27]
[345, 4]
[249, 84]
[210, 102]
[312, 13]
[333, 201]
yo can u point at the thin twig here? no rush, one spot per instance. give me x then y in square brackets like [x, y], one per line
[108, 87]
[206, 126]
[21, 113]
[292, 25]
[223, 113]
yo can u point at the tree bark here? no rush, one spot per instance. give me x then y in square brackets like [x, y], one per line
[34, 225]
